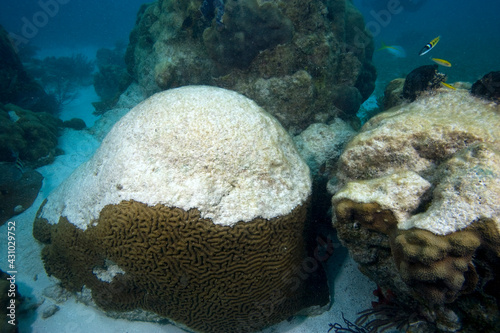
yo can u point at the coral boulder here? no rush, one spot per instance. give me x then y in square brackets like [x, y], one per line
[193, 209]
[417, 204]
[303, 61]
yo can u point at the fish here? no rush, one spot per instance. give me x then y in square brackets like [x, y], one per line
[441, 62]
[429, 46]
[395, 50]
[449, 86]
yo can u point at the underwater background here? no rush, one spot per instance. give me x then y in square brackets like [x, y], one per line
[469, 30]
[89, 39]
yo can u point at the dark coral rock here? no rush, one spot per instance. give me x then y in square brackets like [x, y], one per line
[16, 86]
[422, 79]
[31, 135]
[112, 79]
[488, 87]
[393, 93]
[365, 82]
[348, 99]
[109, 83]
[75, 123]
[19, 194]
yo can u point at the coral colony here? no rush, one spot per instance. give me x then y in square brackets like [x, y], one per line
[231, 154]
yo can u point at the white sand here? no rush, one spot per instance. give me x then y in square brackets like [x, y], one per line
[351, 291]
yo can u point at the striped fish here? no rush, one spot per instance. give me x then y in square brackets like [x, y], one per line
[429, 46]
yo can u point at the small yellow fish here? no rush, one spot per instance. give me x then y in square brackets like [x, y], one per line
[448, 85]
[441, 62]
[395, 50]
[429, 46]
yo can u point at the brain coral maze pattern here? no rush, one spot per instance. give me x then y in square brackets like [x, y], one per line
[209, 277]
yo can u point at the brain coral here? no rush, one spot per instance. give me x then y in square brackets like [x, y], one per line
[193, 208]
[417, 203]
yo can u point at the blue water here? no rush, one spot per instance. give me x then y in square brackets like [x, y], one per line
[470, 35]
[70, 23]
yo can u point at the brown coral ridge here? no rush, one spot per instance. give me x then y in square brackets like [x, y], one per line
[438, 268]
[208, 277]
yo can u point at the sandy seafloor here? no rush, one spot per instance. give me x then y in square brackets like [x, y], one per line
[350, 290]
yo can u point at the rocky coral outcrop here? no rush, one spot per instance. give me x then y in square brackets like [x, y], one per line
[393, 94]
[488, 87]
[196, 199]
[112, 78]
[303, 62]
[417, 204]
[27, 140]
[16, 86]
[31, 135]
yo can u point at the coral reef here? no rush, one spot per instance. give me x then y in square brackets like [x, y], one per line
[27, 140]
[249, 28]
[393, 94]
[112, 78]
[31, 135]
[416, 203]
[303, 62]
[209, 215]
[16, 86]
[74, 123]
[213, 8]
[62, 76]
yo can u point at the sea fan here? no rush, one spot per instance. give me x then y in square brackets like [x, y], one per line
[350, 327]
[385, 317]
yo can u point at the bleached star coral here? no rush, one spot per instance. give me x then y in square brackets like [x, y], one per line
[423, 137]
[418, 205]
